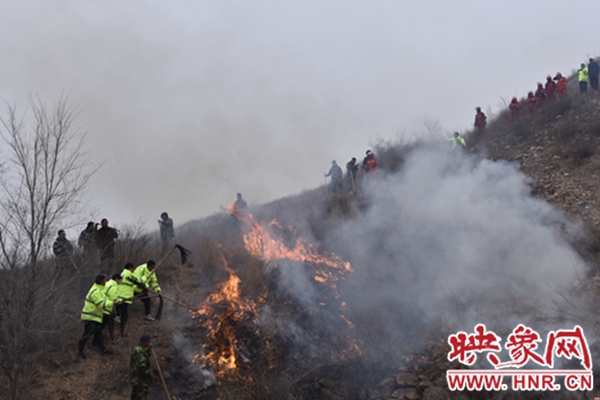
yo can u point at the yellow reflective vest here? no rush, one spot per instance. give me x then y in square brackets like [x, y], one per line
[145, 276]
[96, 303]
[111, 290]
[127, 288]
[582, 74]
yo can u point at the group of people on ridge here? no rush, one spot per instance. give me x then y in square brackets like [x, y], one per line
[370, 165]
[556, 88]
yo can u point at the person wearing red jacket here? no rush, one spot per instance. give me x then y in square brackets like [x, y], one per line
[561, 85]
[549, 89]
[370, 164]
[540, 95]
[531, 102]
[514, 107]
[480, 120]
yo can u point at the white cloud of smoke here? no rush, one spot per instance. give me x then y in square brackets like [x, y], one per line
[455, 239]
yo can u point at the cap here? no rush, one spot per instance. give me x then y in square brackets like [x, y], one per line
[145, 338]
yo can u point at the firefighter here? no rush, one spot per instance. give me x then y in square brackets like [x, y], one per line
[370, 164]
[514, 107]
[63, 249]
[140, 370]
[549, 89]
[126, 293]
[336, 177]
[145, 275]
[582, 78]
[480, 120]
[540, 95]
[96, 303]
[531, 101]
[111, 290]
[593, 71]
[457, 139]
[561, 85]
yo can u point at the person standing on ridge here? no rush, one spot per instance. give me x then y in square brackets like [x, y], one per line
[582, 77]
[63, 250]
[531, 101]
[166, 231]
[540, 96]
[549, 89]
[593, 71]
[561, 85]
[336, 177]
[370, 164]
[105, 241]
[351, 170]
[514, 107]
[480, 120]
[87, 242]
[140, 370]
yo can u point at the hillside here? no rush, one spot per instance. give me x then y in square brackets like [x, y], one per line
[325, 296]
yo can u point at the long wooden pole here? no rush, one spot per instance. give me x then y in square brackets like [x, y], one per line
[160, 374]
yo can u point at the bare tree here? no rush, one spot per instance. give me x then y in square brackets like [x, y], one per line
[44, 174]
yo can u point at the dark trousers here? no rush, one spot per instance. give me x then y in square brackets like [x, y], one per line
[123, 313]
[583, 87]
[109, 321]
[594, 82]
[146, 301]
[91, 328]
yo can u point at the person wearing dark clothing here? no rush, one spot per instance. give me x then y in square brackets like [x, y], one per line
[166, 231]
[87, 241]
[63, 251]
[593, 71]
[140, 370]
[240, 204]
[105, 241]
[336, 177]
[351, 170]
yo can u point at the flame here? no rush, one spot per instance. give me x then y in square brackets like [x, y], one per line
[225, 310]
[261, 244]
[222, 312]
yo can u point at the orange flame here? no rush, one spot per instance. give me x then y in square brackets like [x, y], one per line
[223, 310]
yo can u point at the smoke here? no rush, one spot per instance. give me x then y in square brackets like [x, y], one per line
[190, 367]
[455, 240]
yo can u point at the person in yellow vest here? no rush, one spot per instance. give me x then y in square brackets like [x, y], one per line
[145, 274]
[96, 303]
[111, 290]
[582, 77]
[457, 139]
[127, 288]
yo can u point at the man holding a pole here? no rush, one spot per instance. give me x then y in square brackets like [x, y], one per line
[140, 370]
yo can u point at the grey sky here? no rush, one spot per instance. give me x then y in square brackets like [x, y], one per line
[189, 102]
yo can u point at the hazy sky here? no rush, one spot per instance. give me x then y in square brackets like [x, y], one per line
[189, 102]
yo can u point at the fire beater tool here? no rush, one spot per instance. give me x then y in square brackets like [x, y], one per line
[160, 374]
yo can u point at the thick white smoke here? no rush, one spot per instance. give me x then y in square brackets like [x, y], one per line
[457, 240]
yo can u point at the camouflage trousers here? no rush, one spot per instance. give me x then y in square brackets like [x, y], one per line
[139, 392]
